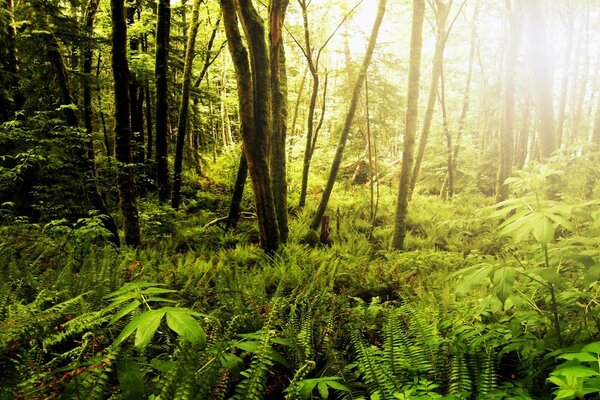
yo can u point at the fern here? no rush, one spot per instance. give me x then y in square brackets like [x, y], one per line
[488, 378]
[255, 377]
[377, 375]
[460, 379]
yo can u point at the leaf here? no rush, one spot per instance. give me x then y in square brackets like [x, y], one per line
[323, 391]
[306, 387]
[147, 327]
[179, 320]
[131, 379]
[549, 275]
[124, 311]
[592, 274]
[543, 230]
[503, 280]
[479, 274]
[592, 348]
[583, 356]
[576, 371]
[565, 394]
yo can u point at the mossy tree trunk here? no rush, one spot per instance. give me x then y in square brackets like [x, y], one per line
[508, 113]
[540, 64]
[412, 111]
[87, 76]
[185, 102]
[163, 26]
[441, 10]
[358, 85]
[280, 114]
[122, 124]
[255, 108]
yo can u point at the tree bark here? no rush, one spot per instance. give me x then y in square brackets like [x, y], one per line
[87, 76]
[536, 30]
[11, 58]
[412, 111]
[185, 102]
[442, 10]
[508, 113]
[255, 109]
[134, 89]
[238, 193]
[163, 24]
[280, 114]
[122, 129]
[358, 85]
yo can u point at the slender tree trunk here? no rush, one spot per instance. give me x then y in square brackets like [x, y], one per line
[447, 191]
[280, 114]
[255, 110]
[87, 76]
[541, 76]
[508, 113]
[163, 24]
[185, 102]
[412, 111]
[569, 25]
[442, 11]
[358, 85]
[238, 193]
[297, 104]
[122, 129]
[12, 61]
[134, 89]
[466, 98]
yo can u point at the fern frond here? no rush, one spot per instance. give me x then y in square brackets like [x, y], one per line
[376, 374]
[460, 380]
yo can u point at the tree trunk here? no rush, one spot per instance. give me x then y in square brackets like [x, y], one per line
[441, 13]
[358, 85]
[11, 58]
[185, 102]
[569, 25]
[508, 113]
[163, 24]
[87, 76]
[134, 89]
[541, 77]
[255, 110]
[122, 130]
[280, 114]
[238, 193]
[412, 111]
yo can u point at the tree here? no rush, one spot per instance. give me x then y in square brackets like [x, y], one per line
[120, 70]
[508, 112]
[87, 72]
[358, 85]
[253, 81]
[280, 113]
[163, 26]
[185, 101]
[412, 110]
[442, 11]
[313, 60]
[538, 59]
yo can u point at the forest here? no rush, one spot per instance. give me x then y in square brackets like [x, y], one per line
[300, 199]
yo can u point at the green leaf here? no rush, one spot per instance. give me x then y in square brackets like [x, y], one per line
[147, 327]
[180, 320]
[592, 348]
[477, 276]
[124, 311]
[565, 394]
[583, 356]
[306, 387]
[576, 371]
[543, 229]
[592, 274]
[131, 379]
[503, 280]
[549, 275]
[323, 391]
